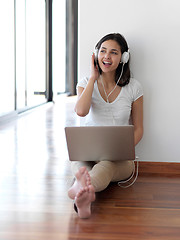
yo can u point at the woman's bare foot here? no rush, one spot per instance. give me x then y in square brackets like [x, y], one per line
[83, 201]
[82, 180]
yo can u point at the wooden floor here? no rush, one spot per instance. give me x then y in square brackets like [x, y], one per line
[35, 176]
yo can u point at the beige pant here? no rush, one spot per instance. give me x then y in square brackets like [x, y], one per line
[104, 172]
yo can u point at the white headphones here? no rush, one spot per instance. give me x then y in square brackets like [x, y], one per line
[125, 57]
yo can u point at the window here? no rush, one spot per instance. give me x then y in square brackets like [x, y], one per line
[7, 84]
[35, 52]
[59, 46]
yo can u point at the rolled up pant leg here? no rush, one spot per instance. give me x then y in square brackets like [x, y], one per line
[105, 172]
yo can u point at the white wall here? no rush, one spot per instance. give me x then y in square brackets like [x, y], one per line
[152, 29]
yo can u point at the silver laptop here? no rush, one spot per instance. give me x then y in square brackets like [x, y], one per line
[98, 143]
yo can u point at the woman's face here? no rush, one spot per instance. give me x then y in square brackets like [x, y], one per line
[109, 56]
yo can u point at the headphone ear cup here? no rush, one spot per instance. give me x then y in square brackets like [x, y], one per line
[125, 57]
[96, 54]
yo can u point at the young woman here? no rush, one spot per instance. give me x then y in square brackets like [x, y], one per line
[108, 97]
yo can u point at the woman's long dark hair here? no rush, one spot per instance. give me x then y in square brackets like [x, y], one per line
[124, 48]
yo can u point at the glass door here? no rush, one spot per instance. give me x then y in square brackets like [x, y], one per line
[23, 53]
[35, 52]
[7, 80]
[59, 46]
[30, 53]
[20, 54]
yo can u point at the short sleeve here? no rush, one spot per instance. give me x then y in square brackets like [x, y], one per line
[82, 83]
[137, 90]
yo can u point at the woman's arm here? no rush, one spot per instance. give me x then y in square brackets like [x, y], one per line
[84, 99]
[85, 94]
[137, 119]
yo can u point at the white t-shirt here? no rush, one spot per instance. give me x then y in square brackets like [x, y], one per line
[117, 112]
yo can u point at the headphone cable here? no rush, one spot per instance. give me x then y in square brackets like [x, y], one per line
[132, 175]
[107, 95]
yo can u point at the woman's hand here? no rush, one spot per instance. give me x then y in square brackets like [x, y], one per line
[83, 103]
[94, 69]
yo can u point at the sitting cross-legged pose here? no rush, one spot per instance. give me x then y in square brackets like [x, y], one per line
[109, 85]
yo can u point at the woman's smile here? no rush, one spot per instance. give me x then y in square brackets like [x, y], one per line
[109, 55]
[107, 63]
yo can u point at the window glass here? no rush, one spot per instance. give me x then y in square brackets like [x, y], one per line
[35, 51]
[59, 46]
[20, 54]
[7, 82]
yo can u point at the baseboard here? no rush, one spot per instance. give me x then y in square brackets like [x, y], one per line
[159, 168]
